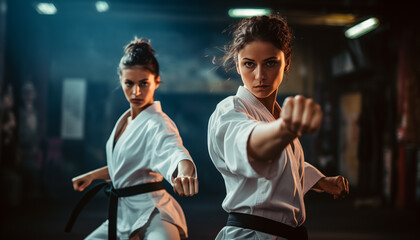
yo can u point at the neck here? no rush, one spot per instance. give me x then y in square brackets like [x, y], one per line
[269, 101]
[136, 111]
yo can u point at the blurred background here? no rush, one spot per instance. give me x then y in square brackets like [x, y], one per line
[60, 98]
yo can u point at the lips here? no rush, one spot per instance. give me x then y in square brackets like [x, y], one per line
[262, 87]
[136, 100]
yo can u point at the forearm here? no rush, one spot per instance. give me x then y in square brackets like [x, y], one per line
[318, 186]
[99, 174]
[84, 180]
[267, 141]
[311, 178]
[186, 168]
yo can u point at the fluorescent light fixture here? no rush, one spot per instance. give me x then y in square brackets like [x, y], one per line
[362, 28]
[248, 12]
[46, 8]
[101, 6]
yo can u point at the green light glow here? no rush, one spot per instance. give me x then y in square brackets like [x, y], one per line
[46, 8]
[362, 28]
[248, 12]
[101, 6]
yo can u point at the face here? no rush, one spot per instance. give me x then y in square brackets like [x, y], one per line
[139, 86]
[261, 66]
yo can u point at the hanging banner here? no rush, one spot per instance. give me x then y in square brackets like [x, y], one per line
[350, 110]
[73, 108]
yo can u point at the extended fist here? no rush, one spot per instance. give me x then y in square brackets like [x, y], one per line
[185, 186]
[301, 115]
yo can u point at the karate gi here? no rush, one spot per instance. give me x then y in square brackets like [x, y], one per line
[148, 151]
[273, 190]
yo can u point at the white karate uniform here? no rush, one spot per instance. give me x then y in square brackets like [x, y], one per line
[148, 151]
[273, 190]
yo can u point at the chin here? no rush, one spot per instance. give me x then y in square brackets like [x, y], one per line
[137, 105]
[260, 94]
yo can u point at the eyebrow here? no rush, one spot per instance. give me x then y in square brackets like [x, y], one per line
[267, 59]
[270, 58]
[144, 79]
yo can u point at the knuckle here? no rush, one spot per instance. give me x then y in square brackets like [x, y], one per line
[311, 103]
[300, 98]
[288, 99]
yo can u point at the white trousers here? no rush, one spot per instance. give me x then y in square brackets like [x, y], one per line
[237, 233]
[154, 229]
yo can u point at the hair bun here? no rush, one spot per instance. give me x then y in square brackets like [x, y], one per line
[139, 52]
[139, 47]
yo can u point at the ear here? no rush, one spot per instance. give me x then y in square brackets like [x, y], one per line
[284, 62]
[286, 68]
[157, 81]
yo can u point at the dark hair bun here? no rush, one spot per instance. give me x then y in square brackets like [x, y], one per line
[139, 52]
[139, 47]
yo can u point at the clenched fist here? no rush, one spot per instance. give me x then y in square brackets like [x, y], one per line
[186, 186]
[337, 186]
[186, 182]
[301, 115]
[81, 182]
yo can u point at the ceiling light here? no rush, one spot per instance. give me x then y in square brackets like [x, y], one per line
[362, 28]
[248, 12]
[46, 8]
[101, 6]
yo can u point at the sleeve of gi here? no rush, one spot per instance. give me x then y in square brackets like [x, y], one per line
[311, 177]
[168, 149]
[228, 134]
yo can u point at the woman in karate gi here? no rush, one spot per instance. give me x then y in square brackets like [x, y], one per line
[144, 147]
[254, 143]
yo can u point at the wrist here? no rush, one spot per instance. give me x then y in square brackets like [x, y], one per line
[285, 135]
[322, 184]
[185, 169]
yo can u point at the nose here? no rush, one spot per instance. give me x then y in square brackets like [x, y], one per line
[259, 73]
[136, 90]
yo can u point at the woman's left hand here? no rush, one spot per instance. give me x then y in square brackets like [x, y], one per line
[185, 186]
[338, 186]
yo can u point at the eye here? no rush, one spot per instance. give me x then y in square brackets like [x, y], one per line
[144, 83]
[271, 63]
[249, 64]
[128, 83]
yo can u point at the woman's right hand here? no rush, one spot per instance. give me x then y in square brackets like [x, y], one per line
[301, 115]
[82, 181]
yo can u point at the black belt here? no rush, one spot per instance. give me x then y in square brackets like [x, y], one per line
[113, 194]
[266, 225]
